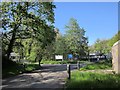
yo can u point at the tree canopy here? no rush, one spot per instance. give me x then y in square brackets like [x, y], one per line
[104, 46]
[75, 37]
[26, 22]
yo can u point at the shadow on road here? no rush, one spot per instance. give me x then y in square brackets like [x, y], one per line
[47, 76]
[55, 68]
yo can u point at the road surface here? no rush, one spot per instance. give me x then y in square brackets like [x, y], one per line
[50, 76]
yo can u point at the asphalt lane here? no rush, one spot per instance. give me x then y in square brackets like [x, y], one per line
[49, 76]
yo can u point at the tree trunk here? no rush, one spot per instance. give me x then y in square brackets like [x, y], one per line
[12, 41]
[40, 59]
[39, 62]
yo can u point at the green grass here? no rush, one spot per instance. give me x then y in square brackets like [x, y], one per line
[30, 67]
[63, 62]
[51, 62]
[57, 62]
[98, 65]
[81, 80]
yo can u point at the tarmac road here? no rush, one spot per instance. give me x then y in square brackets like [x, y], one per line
[50, 76]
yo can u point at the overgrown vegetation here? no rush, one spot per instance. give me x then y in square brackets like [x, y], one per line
[18, 69]
[82, 80]
[103, 46]
[27, 28]
[12, 68]
[64, 62]
[58, 62]
[98, 65]
[85, 78]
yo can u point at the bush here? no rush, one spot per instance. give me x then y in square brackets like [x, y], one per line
[11, 68]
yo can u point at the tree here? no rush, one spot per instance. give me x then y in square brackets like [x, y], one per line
[24, 20]
[75, 38]
[101, 46]
[104, 46]
[61, 47]
[114, 39]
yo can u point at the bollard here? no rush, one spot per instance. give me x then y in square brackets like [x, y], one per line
[78, 65]
[68, 71]
[97, 58]
[24, 66]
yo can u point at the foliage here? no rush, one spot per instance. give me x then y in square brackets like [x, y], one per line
[26, 22]
[58, 62]
[64, 62]
[61, 46]
[98, 65]
[17, 68]
[74, 41]
[75, 38]
[82, 80]
[101, 47]
[104, 46]
[114, 39]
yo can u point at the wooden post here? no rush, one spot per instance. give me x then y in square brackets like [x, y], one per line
[68, 71]
[78, 65]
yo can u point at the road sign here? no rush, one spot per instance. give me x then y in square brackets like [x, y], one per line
[59, 57]
[70, 56]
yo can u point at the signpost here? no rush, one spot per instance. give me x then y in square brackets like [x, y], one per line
[70, 56]
[59, 57]
[78, 65]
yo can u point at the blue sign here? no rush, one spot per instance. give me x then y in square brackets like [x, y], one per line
[70, 56]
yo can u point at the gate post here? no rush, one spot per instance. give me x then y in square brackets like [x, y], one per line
[68, 71]
[78, 65]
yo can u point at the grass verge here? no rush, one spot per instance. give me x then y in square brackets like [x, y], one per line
[82, 80]
[86, 78]
[98, 65]
[63, 62]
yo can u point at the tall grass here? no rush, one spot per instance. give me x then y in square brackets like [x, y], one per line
[98, 65]
[91, 80]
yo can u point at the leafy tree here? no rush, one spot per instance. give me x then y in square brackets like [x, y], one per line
[75, 38]
[24, 20]
[114, 39]
[61, 46]
[104, 46]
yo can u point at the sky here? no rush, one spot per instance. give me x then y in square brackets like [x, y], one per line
[99, 19]
[119, 16]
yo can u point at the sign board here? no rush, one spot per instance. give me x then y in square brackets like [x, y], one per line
[70, 56]
[59, 57]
